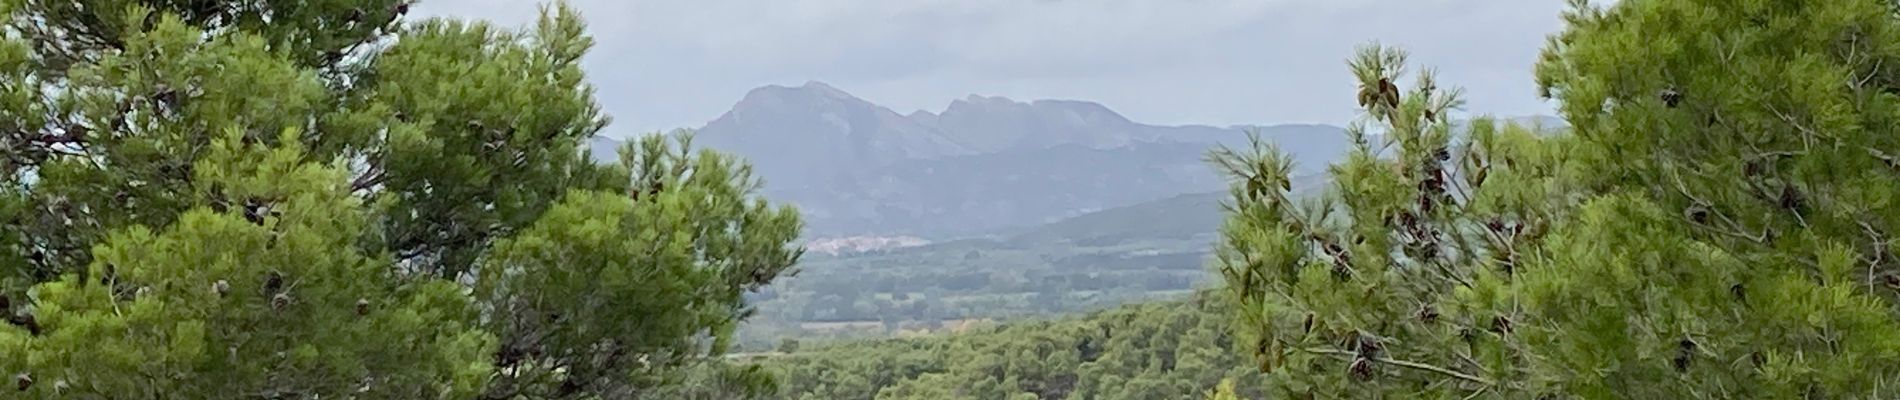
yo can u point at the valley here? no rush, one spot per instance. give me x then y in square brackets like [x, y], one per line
[981, 166]
[647, 200]
[990, 211]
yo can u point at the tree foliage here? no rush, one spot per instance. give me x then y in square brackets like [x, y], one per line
[1160, 350]
[684, 246]
[322, 199]
[1715, 224]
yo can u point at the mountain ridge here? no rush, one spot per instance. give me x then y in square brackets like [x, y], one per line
[979, 165]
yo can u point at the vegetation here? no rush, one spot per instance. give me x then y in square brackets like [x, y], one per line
[319, 200]
[1716, 226]
[1150, 251]
[943, 286]
[1159, 350]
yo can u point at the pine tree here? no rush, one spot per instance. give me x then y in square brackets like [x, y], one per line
[1739, 157]
[1714, 224]
[220, 305]
[325, 199]
[1361, 291]
[607, 289]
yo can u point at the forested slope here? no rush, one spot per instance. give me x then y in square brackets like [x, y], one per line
[1161, 350]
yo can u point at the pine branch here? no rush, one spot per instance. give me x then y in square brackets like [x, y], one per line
[1475, 394]
[1880, 250]
[369, 179]
[1407, 364]
[1732, 227]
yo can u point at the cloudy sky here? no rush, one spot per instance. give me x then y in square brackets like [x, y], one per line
[663, 64]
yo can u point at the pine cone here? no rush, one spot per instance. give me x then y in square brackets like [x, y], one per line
[1428, 314]
[27, 321]
[1697, 213]
[1361, 369]
[1685, 353]
[1792, 198]
[273, 283]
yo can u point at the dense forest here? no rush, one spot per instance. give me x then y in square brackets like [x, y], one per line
[327, 199]
[320, 199]
[1159, 350]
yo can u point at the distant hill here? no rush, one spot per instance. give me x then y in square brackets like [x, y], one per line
[1077, 258]
[1179, 217]
[1173, 349]
[982, 164]
[1187, 216]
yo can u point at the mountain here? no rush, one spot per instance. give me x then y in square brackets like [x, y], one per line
[997, 124]
[980, 165]
[816, 127]
[1180, 217]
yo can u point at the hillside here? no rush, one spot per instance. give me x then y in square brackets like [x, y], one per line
[971, 214]
[1175, 349]
[1163, 350]
[983, 164]
[1180, 217]
[1146, 251]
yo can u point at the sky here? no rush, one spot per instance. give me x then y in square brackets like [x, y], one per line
[664, 64]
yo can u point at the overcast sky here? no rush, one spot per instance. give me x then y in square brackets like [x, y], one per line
[664, 64]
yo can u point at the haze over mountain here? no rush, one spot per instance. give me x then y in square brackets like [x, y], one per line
[979, 165]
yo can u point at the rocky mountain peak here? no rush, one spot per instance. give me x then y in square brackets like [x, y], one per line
[811, 95]
[855, 168]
